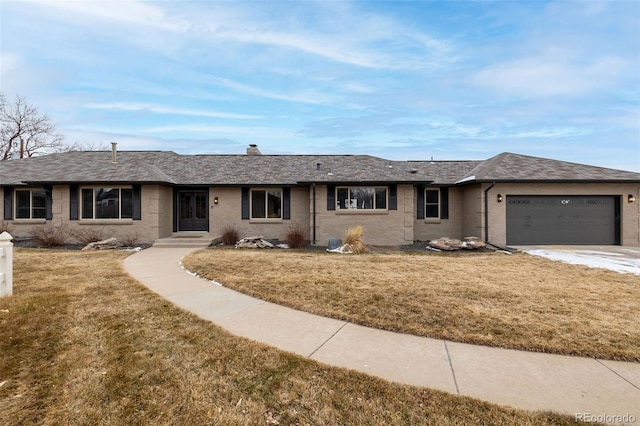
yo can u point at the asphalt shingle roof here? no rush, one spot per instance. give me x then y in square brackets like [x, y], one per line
[515, 167]
[170, 168]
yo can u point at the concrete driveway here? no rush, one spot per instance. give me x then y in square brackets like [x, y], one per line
[616, 258]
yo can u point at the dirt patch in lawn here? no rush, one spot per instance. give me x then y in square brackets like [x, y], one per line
[512, 301]
[83, 343]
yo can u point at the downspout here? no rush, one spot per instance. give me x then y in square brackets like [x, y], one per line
[314, 212]
[486, 213]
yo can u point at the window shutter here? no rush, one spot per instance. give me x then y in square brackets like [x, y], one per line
[331, 197]
[420, 202]
[73, 202]
[8, 203]
[245, 203]
[286, 203]
[393, 197]
[444, 203]
[48, 202]
[137, 202]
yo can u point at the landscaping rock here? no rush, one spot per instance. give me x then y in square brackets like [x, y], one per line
[108, 244]
[446, 243]
[473, 243]
[254, 242]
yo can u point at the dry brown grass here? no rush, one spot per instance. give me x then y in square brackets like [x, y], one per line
[82, 343]
[513, 301]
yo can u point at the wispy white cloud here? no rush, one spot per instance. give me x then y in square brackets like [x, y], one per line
[159, 109]
[127, 12]
[307, 44]
[219, 131]
[308, 96]
[549, 76]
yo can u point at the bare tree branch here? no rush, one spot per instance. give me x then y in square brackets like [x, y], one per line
[21, 121]
[87, 146]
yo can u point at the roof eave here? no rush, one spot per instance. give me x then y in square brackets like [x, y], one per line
[94, 182]
[548, 181]
[365, 182]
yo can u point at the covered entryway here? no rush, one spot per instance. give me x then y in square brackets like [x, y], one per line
[192, 210]
[563, 219]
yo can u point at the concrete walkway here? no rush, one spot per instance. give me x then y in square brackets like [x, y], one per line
[526, 380]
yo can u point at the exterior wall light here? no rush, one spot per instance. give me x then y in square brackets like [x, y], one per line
[215, 200]
[631, 198]
[499, 198]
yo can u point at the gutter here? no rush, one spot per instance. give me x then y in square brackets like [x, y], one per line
[313, 185]
[486, 212]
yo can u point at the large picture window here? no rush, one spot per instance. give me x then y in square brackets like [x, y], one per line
[31, 204]
[107, 203]
[362, 198]
[266, 204]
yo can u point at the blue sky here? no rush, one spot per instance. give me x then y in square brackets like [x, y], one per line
[400, 80]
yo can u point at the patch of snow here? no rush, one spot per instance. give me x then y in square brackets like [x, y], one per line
[591, 259]
[194, 274]
[601, 253]
[344, 249]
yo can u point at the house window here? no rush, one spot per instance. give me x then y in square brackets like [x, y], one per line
[31, 204]
[362, 198]
[266, 204]
[107, 203]
[432, 203]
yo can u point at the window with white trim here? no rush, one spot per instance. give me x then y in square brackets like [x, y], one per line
[432, 203]
[266, 204]
[361, 198]
[107, 203]
[30, 204]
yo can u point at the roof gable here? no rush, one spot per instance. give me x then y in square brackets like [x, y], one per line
[523, 168]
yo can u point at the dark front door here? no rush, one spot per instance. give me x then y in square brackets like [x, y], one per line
[193, 211]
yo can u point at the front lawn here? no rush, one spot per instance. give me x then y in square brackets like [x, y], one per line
[82, 343]
[513, 301]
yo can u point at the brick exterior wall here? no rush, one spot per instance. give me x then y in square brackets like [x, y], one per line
[388, 227]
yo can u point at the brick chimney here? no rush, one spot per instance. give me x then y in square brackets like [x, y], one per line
[253, 150]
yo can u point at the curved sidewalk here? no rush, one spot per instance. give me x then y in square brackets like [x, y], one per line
[527, 380]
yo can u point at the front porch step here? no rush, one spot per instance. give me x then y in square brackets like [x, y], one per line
[184, 241]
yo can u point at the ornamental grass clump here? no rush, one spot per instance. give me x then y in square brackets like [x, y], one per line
[230, 235]
[296, 237]
[354, 240]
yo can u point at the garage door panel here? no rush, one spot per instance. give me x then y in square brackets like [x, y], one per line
[562, 219]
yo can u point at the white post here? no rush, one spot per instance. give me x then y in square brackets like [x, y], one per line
[6, 264]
